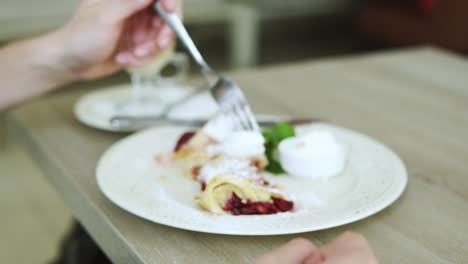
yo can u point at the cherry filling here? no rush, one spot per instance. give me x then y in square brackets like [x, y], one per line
[196, 171]
[203, 185]
[184, 139]
[235, 206]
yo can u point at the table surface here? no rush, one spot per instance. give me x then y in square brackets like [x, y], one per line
[415, 101]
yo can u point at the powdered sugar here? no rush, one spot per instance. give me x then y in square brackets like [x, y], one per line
[231, 166]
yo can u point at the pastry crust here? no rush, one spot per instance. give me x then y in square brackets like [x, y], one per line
[234, 185]
[220, 189]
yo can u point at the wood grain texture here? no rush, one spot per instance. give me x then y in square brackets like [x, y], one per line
[415, 101]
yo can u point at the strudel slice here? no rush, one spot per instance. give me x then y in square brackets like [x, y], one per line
[228, 165]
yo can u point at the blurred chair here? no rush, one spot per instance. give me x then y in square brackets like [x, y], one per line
[281, 9]
[247, 15]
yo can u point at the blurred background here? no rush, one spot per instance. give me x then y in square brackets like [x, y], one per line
[230, 32]
[233, 34]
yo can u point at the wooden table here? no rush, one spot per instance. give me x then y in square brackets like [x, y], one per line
[415, 101]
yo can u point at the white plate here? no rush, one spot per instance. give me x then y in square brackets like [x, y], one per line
[96, 108]
[129, 176]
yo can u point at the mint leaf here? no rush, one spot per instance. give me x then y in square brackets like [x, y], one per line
[274, 167]
[273, 138]
[284, 130]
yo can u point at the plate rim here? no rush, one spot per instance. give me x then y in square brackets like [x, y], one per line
[117, 88]
[376, 209]
[79, 104]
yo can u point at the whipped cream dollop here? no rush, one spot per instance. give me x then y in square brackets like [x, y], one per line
[219, 127]
[231, 166]
[239, 144]
[317, 154]
[244, 144]
[232, 142]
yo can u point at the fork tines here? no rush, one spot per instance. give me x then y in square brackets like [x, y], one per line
[233, 103]
[242, 112]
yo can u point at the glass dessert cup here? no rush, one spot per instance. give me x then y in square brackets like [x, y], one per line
[150, 81]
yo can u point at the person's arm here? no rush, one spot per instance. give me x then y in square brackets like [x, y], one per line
[102, 37]
[30, 68]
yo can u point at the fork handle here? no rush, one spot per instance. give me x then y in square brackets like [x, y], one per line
[137, 123]
[178, 27]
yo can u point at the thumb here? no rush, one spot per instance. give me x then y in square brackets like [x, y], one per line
[119, 10]
[295, 251]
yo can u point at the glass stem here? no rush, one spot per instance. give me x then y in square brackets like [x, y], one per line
[137, 86]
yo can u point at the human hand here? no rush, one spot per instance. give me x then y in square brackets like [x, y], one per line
[440, 23]
[107, 35]
[349, 248]
[294, 252]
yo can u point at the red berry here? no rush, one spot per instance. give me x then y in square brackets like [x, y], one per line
[184, 139]
[203, 185]
[283, 205]
[237, 207]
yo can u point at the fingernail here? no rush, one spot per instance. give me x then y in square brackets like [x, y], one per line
[169, 5]
[164, 41]
[315, 258]
[144, 50]
[165, 37]
[122, 58]
[141, 51]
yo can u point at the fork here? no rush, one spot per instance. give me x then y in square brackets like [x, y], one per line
[225, 91]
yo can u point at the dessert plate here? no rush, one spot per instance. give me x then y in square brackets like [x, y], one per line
[97, 108]
[131, 178]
